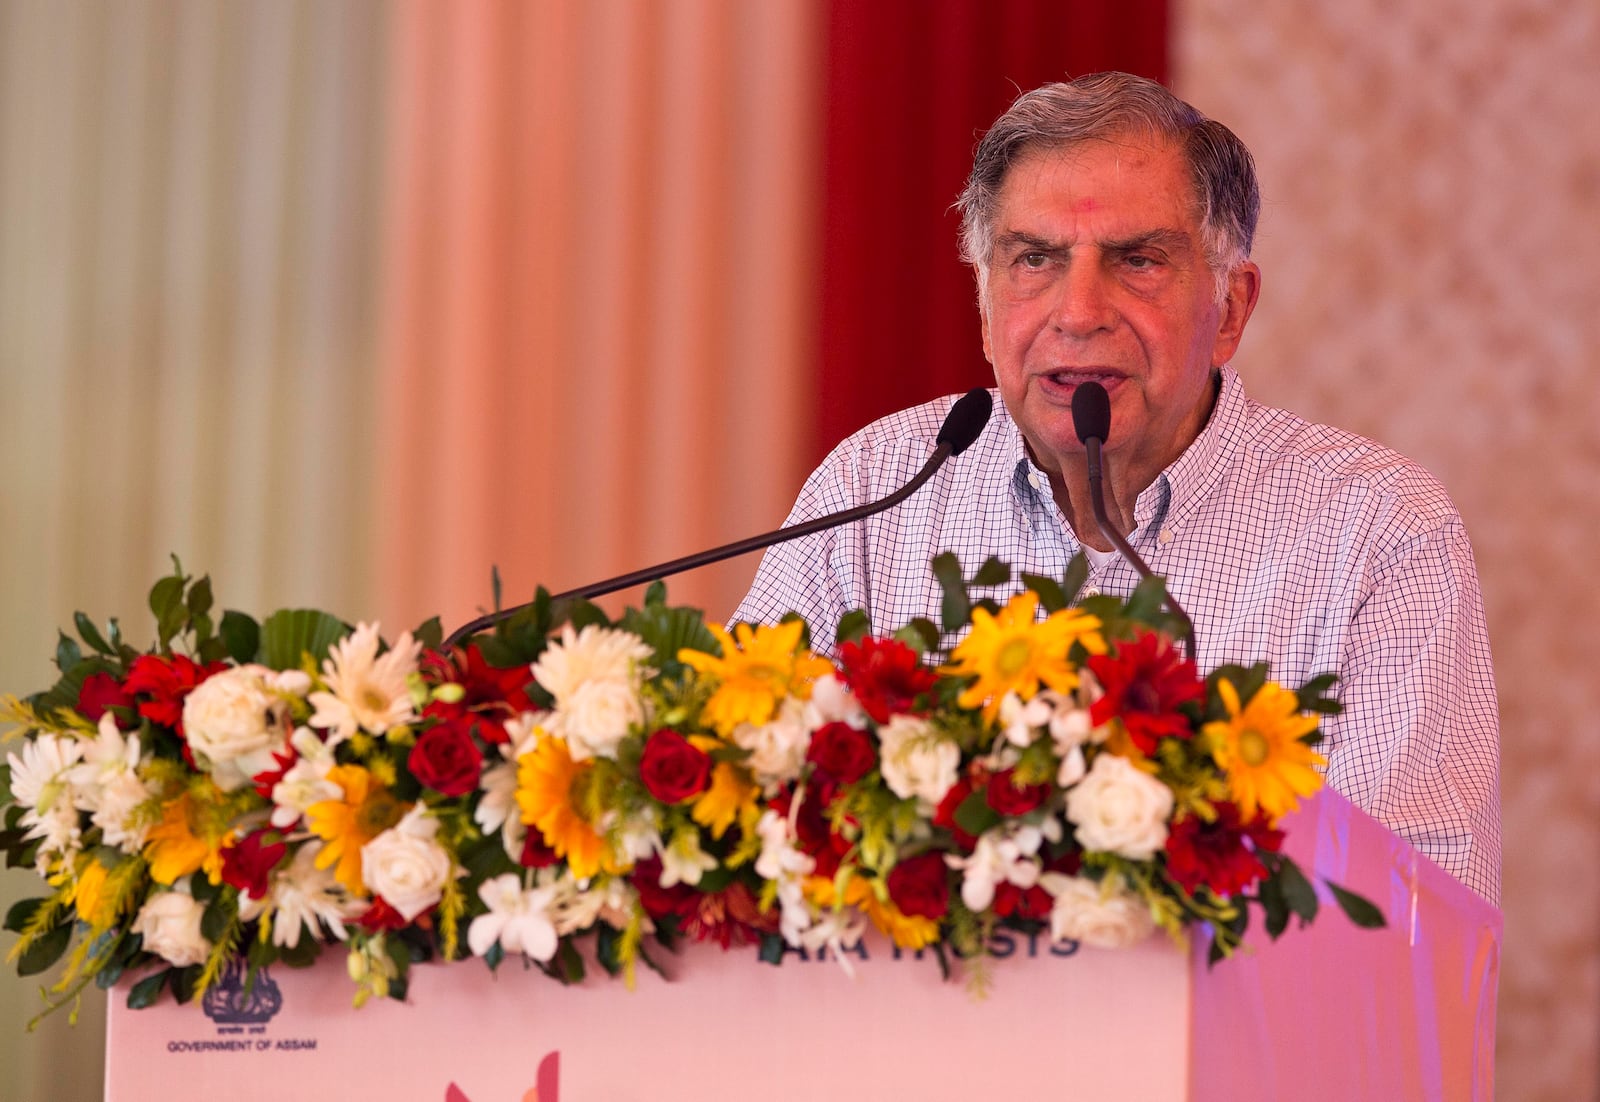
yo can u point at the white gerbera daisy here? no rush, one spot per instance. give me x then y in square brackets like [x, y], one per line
[595, 676]
[41, 776]
[303, 898]
[365, 691]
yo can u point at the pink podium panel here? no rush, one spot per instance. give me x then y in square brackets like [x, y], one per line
[1332, 1012]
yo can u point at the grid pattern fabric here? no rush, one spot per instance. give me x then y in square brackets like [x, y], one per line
[1302, 545]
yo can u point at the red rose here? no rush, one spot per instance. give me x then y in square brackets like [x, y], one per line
[920, 885]
[380, 917]
[1008, 797]
[536, 852]
[842, 753]
[100, 692]
[446, 759]
[672, 769]
[1011, 901]
[248, 864]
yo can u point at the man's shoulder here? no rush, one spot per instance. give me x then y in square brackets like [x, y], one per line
[1286, 447]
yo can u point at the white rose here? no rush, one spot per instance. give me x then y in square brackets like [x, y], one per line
[406, 866]
[918, 761]
[596, 715]
[833, 702]
[1105, 916]
[1120, 809]
[234, 722]
[777, 749]
[170, 923]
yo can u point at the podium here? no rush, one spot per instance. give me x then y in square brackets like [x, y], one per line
[1330, 1012]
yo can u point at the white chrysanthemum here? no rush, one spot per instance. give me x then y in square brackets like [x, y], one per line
[596, 676]
[918, 761]
[235, 722]
[1104, 915]
[305, 783]
[1118, 808]
[170, 924]
[365, 691]
[777, 748]
[406, 866]
[41, 777]
[523, 734]
[579, 904]
[518, 918]
[303, 899]
[683, 861]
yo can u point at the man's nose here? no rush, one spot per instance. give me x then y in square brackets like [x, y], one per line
[1084, 303]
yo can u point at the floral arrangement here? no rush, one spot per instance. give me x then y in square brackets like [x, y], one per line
[260, 791]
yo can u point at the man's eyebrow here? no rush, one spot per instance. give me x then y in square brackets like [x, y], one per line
[1170, 240]
[1017, 239]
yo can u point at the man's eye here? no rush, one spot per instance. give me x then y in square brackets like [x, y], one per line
[1034, 261]
[1139, 262]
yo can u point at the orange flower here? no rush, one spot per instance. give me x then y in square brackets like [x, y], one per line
[366, 810]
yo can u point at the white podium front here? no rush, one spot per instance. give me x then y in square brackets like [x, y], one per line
[1331, 1012]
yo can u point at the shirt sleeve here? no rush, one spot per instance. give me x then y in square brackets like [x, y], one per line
[1417, 744]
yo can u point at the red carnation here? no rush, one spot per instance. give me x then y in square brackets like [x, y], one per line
[1145, 682]
[99, 694]
[920, 885]
[163, 683]
[1008, 797]
[381, 917]
[491, 694]
[248, 863]
[672, 768]
[536, 852]
[1220, 855]
[886, 676]
[446, 759]
[842, 753]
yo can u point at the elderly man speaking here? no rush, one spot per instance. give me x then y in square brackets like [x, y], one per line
[1109, 225]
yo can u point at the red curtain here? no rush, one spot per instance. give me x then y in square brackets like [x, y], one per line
[910, 85]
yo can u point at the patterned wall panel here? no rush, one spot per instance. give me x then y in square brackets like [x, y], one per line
[1431, 245]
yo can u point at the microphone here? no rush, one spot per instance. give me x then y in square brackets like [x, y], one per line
[961, 427]
[1091, 417]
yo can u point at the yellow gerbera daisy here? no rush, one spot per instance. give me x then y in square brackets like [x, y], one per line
[91, 900]
[189, 838]
[1014, 652]
[1259, 748]
[552, 791]
[729, 796]
[366, 810]
[758, 668]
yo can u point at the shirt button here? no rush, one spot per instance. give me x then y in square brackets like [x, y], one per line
[1164, 537]
[1033, 480]
[1091, 591]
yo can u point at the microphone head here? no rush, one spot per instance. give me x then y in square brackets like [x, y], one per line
[965, 420]
[1091, 412]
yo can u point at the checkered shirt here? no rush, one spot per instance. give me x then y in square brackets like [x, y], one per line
[1308, 547]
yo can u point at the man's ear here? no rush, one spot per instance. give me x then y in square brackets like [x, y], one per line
[1244, 288]
[978, 275]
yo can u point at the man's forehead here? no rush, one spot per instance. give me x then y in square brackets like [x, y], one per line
[1143, 181]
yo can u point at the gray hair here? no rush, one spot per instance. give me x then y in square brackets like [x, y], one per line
[1110, 105]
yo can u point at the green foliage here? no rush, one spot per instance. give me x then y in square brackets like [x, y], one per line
[288, 636]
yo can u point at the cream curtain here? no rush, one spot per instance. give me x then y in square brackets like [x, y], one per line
[345, 302]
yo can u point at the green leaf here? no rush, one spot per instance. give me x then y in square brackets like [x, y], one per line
[241, 635]
[1074, 576]
[853, 626]
[183, 983]
[91, 634]
[1298, 893]
[45, 950]
[994, 571]
[974, 815]
[148, 990]
[214, 921]
[1052, 598]
[430, 633]
[1274, 906]
[920, 635]
[956, 607]
[68, 653]
[669, 630]
[19, 914]
[200, 597]
[290, 633]
[608, 949]
[166, 596]
[1359, 909]
[772, 947]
